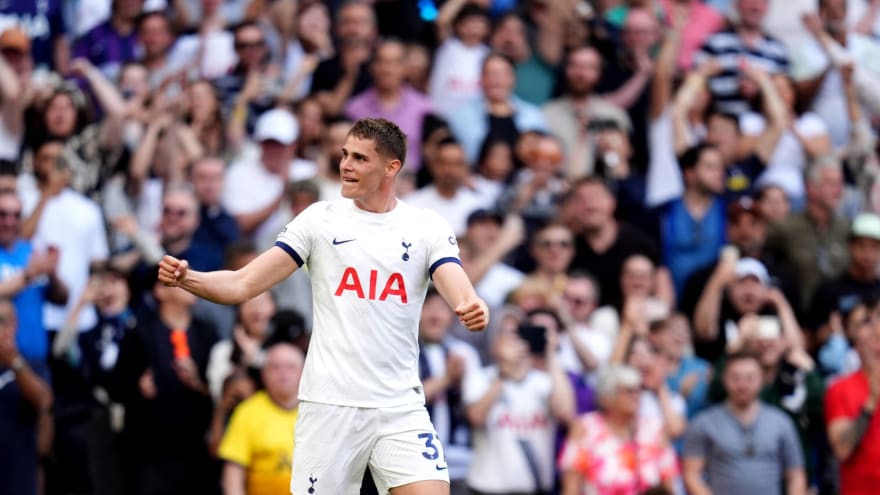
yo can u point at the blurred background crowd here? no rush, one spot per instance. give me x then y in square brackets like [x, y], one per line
[669, 205]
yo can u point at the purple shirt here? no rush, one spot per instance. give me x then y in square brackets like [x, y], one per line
[107, 49]
[408, 115]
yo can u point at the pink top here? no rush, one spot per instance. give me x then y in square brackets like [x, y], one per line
[701, 23]
[610, 466]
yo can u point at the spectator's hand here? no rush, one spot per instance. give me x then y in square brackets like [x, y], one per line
[90, 292]
[253, 85]
[250, 347]
[172, 271]
[753, 71]
[725, 271]
[454, 368]
[57, 179]
[316, 31]
[812, 23]
[634, 314]
[644, 63]
[147, 385]
[81, 67]
[352, 57]
[126, 224]
[798, 358]
[188, 374]
[552, 337]
[709, 68]
[474, 315]
[688, 383]
[775, 297]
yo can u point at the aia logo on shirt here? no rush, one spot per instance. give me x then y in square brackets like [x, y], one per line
[392, 286]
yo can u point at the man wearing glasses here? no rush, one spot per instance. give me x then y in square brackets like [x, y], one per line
[743, 445]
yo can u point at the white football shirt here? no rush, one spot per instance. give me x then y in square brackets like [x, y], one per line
[370, 273]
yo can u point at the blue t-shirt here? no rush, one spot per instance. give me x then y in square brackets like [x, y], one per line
[688, 243]
[31, 337]
[42, 20]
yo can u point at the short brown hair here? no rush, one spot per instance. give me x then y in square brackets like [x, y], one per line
[388, 139]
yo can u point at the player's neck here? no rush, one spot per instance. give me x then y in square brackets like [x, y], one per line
[380, 203]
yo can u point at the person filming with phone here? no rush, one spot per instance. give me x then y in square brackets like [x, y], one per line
[514, 407]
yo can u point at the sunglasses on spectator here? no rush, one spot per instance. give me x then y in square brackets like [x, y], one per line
[177, 212]
[548, 243]
[241, 45]
[10, 213]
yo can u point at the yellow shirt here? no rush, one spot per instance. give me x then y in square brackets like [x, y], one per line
[260, 438]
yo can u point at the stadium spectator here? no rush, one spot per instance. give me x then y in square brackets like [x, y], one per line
[514, 409]
[741, 436]
[463, 27]
[25, 398]
[738, 288]
[160, 378]
[497, 113]
[448, 193]
[216, 229]
[692, 226]
[860, 278]
[583, 348]
[742, 43]
[311, 43]
[28, 277]
[850, 410]
[602, 243]
[16, 89]
[344, 75]
[44, 24]
[110, 44]
[391, 98]
[813, 242]
[614, 449]
[257, 447]
[580, 113]
[277, 132]
[535, 67]
[443, 362]
[687, 374]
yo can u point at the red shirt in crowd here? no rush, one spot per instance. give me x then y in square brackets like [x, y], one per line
[860, 474]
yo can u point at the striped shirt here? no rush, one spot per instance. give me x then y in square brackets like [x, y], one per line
[727, 48]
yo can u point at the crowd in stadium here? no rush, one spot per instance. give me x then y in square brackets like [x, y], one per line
[670, 207]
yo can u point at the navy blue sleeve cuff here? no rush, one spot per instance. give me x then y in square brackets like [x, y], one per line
[289, 250]
[441, 261]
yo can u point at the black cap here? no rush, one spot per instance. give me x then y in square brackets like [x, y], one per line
[485, 214]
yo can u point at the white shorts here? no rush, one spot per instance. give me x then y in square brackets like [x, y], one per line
[334, 445]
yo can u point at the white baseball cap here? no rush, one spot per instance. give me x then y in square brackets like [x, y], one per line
[866, 225]
[750, 267]
[277, 125]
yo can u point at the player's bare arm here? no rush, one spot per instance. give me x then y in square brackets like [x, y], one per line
[227, 286]
[454, 285]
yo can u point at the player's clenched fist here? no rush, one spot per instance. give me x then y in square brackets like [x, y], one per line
[172, 271]
[474, 315]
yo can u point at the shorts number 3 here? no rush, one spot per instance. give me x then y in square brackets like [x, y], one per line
[433, 452]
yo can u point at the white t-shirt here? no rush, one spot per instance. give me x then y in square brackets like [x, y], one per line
[370, 273]
[599, 343]
[498, 282]
[249, 187]
[456, 75]
[455, 210]
[786, 166]
[74, 224]
[830, 101]
[520, 420]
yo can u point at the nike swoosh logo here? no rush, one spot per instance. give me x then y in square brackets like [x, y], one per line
[336, 243]
[444, 468]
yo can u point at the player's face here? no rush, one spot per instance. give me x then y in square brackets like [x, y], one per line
[363, 169]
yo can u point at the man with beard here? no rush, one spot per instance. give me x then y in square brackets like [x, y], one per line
[692, 226]
[602, 243]
[578, 114]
